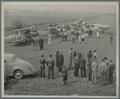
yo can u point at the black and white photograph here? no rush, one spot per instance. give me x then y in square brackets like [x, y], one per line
[60, 49]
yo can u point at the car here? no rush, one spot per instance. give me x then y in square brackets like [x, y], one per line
[16, 67]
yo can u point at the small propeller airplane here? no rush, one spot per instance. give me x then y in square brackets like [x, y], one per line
[99, 27]
[20, 35]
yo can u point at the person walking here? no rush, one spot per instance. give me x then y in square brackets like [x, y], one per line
[50, 64]
[42, 66]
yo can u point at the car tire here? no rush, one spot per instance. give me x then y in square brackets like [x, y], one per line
[18, 74]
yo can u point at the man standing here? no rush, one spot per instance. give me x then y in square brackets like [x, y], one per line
[83, 38]
[58, 60]
[83, 67]
[98, 33]
[103, 71]
[41, 43]
[50, 64]
[32, 42]
[89, 56]
[94, 70]
[65, 76]
[107, 66]
[94, 54]
[111, 39]
[42, 66]
[49, 39]
[111, 70]
[61, 62]
[89, 65]
[76, 62]
[71, 52]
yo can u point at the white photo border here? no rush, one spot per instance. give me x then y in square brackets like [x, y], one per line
[56, 96]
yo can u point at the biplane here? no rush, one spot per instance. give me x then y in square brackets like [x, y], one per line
[20, 36]
[99, 27]
[55, 30]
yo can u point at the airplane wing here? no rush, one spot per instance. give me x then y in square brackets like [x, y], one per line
[101, 26]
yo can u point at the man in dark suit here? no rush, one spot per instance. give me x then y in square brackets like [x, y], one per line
[41, 43]
[42, 66]
[83, 67]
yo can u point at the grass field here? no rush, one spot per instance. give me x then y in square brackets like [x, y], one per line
[78, 86]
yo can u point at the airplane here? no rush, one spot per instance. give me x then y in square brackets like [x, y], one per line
[99, 27]
[19, 35]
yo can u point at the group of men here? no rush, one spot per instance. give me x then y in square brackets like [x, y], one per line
[102, 72]
[49, 63]
[79, 63]
[95, 72]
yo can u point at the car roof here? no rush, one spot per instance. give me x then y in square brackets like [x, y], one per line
[9, 57]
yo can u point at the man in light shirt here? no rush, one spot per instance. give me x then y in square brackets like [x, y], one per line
[94, 71]
[103, 71]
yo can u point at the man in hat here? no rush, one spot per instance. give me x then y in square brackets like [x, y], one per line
[76, 63]
[58, 60]
[41, 44]
[103, 71]
[61, 61]
[50, 64]
[65, 76]
[94, 71]
[107, 66]
[111, 39]
[89, 65]
[89, 56]
[94, 54]
[83, 67]
[111, 71]
[42, 66]
[71, 52]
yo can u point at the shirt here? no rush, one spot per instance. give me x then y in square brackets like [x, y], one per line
[102, 67]
[42, 62]
[94, 66]
[50, 62]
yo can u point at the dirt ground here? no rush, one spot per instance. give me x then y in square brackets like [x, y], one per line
[78, 86]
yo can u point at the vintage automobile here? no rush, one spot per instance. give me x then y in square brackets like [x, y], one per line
[16, 67]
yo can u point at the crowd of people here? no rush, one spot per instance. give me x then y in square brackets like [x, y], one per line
[85, 68]
[90, 68]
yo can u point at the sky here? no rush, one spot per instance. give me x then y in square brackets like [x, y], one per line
[104, 7]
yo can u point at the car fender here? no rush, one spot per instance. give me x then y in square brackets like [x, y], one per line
[25, 70]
